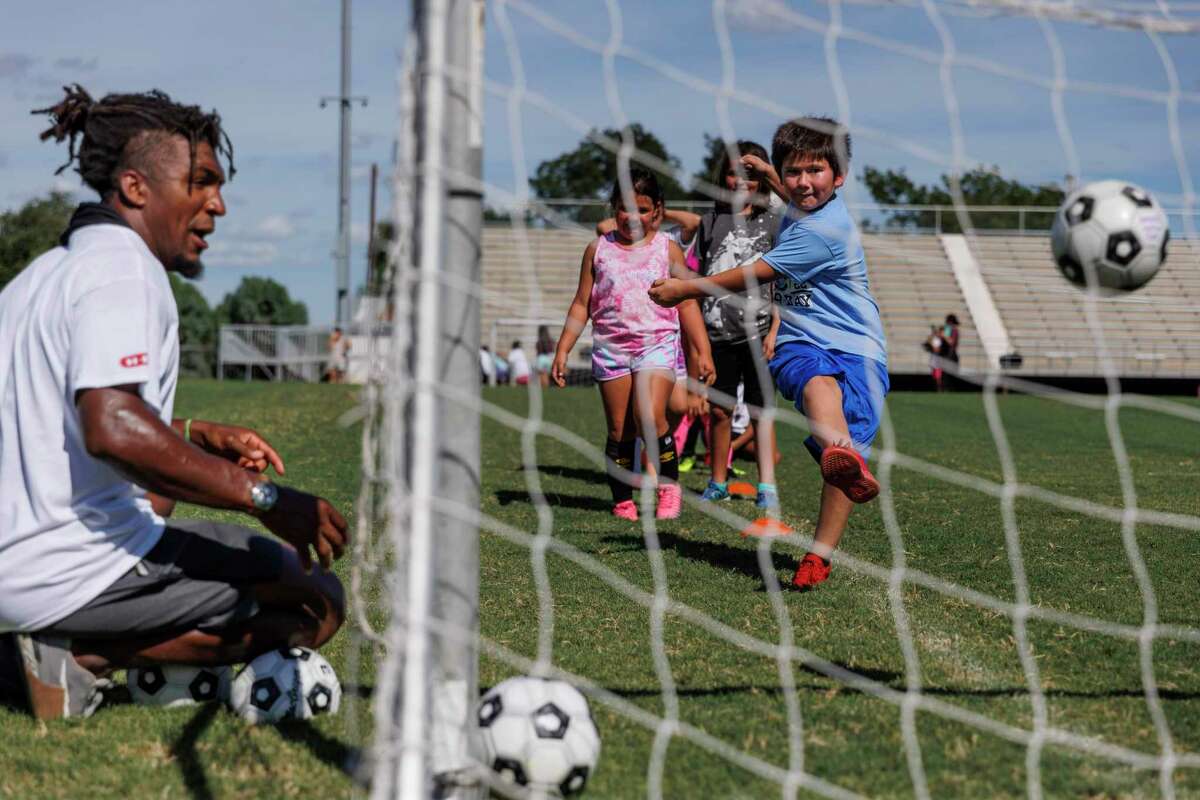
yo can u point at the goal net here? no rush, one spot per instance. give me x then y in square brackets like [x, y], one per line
[1015, 614]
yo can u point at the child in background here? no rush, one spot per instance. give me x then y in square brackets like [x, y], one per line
[831, 357]
[518, 364]
[545, 356]
[634, 341]
[741, 327]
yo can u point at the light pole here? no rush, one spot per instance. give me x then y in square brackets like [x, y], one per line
[344, 100]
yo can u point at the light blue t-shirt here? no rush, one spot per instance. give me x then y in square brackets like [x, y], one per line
[822, 291]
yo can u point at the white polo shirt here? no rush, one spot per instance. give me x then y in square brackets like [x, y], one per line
[96, 313]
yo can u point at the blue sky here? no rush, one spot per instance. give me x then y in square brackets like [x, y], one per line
[265, 64]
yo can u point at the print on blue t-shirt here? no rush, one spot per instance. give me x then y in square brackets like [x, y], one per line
[822, 291]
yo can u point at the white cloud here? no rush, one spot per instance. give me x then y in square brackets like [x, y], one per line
[761, 16]
[77, 64]
[241, 253]
[66, 185]
[275, 227]
[14, 65]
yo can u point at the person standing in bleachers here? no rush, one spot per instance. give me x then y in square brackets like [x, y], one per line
[950, 340]
[949, 360]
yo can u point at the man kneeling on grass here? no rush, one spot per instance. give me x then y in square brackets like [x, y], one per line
[92, 578]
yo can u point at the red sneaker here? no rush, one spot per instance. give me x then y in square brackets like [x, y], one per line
[626, 509]
[812, 570]
[844, 468]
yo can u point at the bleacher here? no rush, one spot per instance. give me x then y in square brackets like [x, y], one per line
[914, 285]
[531, 285]
[1154, 332]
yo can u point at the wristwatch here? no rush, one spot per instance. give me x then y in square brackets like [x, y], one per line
[264, 495]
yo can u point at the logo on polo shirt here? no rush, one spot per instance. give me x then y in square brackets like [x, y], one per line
[135, 360]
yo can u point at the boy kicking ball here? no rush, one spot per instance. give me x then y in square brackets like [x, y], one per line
[830, 357]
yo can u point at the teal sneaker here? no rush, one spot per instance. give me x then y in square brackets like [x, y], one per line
[715, 491]
[767, 498]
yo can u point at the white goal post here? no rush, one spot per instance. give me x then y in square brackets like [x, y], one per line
[428, 684]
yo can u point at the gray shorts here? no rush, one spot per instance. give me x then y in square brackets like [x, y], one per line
[200, 575]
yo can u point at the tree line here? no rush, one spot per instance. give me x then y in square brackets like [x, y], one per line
[587, 171]
[34, 228]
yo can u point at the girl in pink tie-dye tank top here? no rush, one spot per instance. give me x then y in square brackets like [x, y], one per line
[628, 327]
[635, 341]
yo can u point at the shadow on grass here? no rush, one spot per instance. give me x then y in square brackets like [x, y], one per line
[554, 499]
[335, 753]
[363, 691]
[892, 680]
[721, 556]
[574, 473]
[184, 752]
[1069, 694]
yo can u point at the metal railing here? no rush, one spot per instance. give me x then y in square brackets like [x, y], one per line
[1149, 360]
[872, 217]
[277, 352]
[293, 352]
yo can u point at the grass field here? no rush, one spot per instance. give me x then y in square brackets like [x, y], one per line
[967, 655]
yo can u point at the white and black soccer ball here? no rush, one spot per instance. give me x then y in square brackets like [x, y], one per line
[292, 683]
[1110, 234]
[175, 685]
[539, 734]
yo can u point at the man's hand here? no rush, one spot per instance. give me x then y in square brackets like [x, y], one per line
[304, 520]
[242, 446]
[669, 292]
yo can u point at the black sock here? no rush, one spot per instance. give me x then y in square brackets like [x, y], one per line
[619, 454]
[668, 464]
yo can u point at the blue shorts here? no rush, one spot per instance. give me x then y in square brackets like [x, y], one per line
[863, 381]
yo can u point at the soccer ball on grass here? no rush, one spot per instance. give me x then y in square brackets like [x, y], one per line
[293, 683]
[1111, 236]
[176, 685]
[539, 734]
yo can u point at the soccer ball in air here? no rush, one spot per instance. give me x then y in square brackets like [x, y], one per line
[174, 685]
[539, 734]
[292, 683]
[1110, 235]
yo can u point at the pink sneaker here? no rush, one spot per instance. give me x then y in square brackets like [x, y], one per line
[670, 501]
[626, 509]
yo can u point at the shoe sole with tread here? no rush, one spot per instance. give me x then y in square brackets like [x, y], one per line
[842, 468]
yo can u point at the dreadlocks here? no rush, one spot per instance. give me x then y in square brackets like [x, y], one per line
[123, 130]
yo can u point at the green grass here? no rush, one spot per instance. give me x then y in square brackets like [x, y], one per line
[967, 655]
